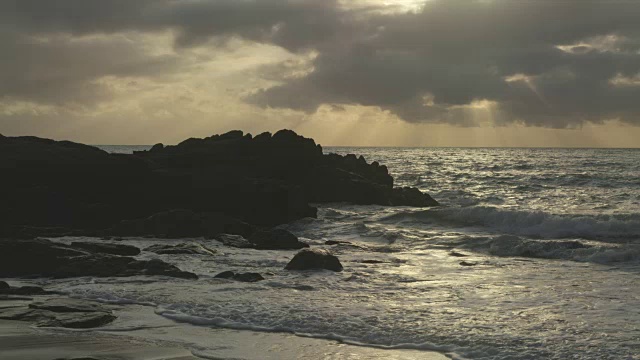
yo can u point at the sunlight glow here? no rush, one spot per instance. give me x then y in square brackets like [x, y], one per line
[625, 81]
[607, 43]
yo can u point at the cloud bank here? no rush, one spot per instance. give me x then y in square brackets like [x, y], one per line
[553, 64]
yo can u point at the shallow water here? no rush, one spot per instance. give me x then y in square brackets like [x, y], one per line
[553, 237]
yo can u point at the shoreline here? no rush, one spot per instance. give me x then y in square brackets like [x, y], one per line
[140, 334]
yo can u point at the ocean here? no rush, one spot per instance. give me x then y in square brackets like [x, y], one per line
[533, 254]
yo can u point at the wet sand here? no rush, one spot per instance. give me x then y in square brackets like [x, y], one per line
[157, 338]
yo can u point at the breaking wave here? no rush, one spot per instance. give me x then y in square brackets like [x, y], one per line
[535, 224]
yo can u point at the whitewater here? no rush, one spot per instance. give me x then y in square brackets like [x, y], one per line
[533, 254]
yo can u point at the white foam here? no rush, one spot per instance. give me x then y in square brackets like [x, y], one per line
[508, 245]
[532, 223]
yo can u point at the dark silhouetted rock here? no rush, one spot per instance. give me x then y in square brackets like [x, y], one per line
[181, 224]
[243, 277]
[236, 241]
[4, 285]
[468, 263]
[223, 183]
[184, 248]
[107, 248]
[314, 259]
[276, 239]
[157, 147]
[41, 257]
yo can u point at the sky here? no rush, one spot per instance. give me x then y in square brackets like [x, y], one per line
[562, 73]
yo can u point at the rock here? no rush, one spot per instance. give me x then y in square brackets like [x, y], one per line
[225, 275]
[79, 320]
[337, 242]
[33, 257]
[181, 223]
[62, 305]
[236, 241]
[333, 184]
[467, 263]
[68, 313]
[314, 259]
[25, 290]
[4, 286]
[276, 239]
[349, 244]
[244, 277]
[225, 183]
[41, 257]
[457, 254]
[184, 248]
[248, 277]
[407, 196]
[107, 248]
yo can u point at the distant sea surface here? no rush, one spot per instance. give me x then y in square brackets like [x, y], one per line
[534, 254]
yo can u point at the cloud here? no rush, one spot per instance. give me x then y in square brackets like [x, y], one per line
[545, 63]
[460, 52]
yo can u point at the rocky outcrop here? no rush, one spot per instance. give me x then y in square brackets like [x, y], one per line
[184, 248]
[107, 248]
[276, 239]
[236, 241]
[243, 277]
[40, 257]
[314, 259]
[220, 184]
[5, 289]
[60, 312]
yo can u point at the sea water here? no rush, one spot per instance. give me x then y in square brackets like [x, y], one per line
[533, 254]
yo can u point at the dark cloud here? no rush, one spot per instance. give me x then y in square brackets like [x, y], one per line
[546, 63]
[461, 51]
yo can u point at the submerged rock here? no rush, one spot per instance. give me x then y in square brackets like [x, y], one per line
[468, 263]
[244, 277]
[372, 261]
[314, 259]
[184, 248]
[457, 254]
[236, 241]
[276, 239]
[337, 242]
